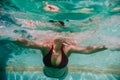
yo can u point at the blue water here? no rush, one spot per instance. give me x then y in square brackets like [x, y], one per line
[91, 22]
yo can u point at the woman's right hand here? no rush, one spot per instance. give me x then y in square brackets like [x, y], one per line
[69, 42]
[22, 42]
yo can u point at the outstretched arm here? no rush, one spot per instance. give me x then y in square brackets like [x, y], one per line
[87, 50]
[29, 44]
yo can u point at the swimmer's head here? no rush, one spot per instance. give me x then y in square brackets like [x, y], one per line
[59, 40]
[62, 40]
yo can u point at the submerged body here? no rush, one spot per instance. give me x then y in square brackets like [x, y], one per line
[55, 65]
[51, 63]
[56, 52]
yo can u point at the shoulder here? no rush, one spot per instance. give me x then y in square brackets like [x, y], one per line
[45, 49]
[67, 49]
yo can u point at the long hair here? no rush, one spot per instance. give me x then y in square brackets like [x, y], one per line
[65, 40]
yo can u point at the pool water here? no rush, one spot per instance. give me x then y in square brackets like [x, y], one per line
[91, 22]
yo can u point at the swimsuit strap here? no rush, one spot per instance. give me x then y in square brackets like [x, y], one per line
[47, 58]
[51, 50]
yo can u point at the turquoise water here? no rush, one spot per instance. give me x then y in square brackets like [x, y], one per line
[91, 22]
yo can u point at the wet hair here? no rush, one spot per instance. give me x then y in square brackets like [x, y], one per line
[68, 41]
[61, 40]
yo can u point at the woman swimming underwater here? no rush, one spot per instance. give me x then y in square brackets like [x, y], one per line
[56, 52]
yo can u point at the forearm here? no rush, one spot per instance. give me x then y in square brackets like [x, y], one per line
[22, 42]
[87, 50]
[93, 49]
[29, 44]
